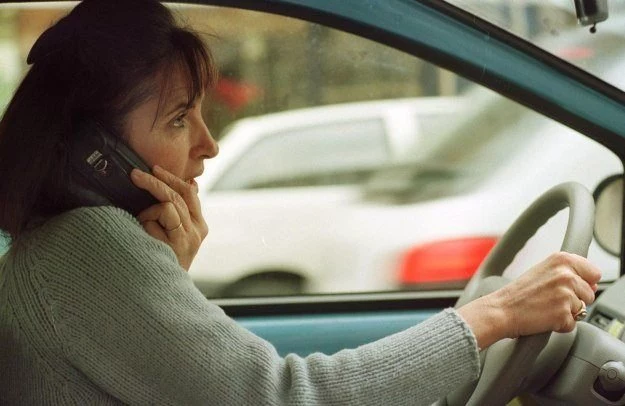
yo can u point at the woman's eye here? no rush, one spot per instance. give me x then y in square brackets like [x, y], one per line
[179, 121]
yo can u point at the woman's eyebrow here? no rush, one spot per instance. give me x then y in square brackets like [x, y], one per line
[180, 105]
[159, 116]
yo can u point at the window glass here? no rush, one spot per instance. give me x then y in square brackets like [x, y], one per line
[407, 187]
[552, 25]
[308, 156]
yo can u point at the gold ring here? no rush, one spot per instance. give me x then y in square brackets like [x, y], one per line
[581, 313]
[175, 228]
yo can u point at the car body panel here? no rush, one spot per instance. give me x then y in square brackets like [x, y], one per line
[330, 333]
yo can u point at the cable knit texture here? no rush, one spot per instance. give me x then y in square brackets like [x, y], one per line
[93, 311]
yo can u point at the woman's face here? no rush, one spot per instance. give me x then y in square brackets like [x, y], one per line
[178, 139]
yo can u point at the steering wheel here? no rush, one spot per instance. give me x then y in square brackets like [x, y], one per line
[502, 375]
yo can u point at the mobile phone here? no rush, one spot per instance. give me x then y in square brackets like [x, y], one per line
[100, 170]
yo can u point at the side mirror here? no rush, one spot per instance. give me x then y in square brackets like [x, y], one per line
[609, 214]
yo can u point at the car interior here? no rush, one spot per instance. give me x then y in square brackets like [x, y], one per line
[327, 239]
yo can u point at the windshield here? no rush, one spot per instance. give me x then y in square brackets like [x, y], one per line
[552, 25]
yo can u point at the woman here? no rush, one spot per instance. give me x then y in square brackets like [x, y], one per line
[95, 303]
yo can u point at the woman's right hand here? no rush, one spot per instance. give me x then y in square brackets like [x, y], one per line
[545, 298]
[177, 220]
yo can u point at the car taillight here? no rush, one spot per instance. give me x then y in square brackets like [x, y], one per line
[444, 261]
[575, 53]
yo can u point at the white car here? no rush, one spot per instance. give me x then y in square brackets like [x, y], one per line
[285, 174]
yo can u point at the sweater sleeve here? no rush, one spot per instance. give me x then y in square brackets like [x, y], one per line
[133, 322]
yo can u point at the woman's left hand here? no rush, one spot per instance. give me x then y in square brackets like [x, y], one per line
[545, 298]
[177, 220]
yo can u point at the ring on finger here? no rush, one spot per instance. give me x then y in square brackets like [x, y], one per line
[175, 228]
[581, 313]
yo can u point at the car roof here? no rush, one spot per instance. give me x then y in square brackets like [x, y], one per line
[306, 117]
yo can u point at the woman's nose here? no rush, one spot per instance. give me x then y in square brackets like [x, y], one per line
[207, 146]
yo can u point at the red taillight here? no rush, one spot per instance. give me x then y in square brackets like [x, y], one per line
[575, 53]
[445, 261]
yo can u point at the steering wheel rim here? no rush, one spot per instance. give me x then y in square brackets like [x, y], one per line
[500, 382]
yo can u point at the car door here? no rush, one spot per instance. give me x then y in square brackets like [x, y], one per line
[404, 244]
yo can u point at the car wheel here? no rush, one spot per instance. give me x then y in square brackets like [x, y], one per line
[266, 284]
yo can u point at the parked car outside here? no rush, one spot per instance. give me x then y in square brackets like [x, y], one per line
[284, 174]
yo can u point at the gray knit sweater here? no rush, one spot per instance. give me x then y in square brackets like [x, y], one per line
[95, 311]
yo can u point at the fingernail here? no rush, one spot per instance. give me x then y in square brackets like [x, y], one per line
[157, 168]
[136, 173]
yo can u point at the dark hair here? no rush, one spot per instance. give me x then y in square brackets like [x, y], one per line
[99, 62]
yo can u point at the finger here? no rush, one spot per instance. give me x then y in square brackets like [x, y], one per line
[578, 311]
[577, 305]
[583, 291]
[188, 191]
[585, 269]
[567, 326]
[154, 229]
[160, 190]
[185, 195]
[164, 214]
[163, 193]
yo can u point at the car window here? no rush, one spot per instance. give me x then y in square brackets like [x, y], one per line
[320, 154]
[552, 26]
[427, 169]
